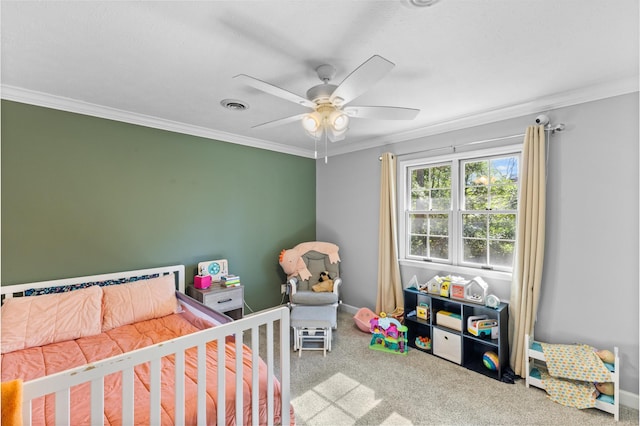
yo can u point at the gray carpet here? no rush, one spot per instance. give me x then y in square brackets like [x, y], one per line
[354, 385]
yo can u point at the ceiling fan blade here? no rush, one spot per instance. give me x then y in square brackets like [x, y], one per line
[381, 112]
[279, 122]
[361, 79]
[274, 90]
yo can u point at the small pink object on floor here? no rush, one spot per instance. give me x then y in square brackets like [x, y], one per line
[362, 318]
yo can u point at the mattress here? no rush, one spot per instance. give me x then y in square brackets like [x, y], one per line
[31, 363]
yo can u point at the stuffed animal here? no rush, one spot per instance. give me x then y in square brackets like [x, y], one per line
[292, 263]
[325, 283]
[606, 356]
[605, 388]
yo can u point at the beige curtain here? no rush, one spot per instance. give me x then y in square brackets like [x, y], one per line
[389, 283]
[527, 274]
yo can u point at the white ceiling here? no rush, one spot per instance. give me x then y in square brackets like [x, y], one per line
[461, 62]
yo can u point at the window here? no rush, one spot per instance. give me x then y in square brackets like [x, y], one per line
[462, 211]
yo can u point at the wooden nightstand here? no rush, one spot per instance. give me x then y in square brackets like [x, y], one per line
[228, 300]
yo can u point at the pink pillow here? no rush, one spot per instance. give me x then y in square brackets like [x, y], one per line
[138, 301]
[40, 320]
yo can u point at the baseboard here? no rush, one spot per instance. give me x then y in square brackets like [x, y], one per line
[627, 399]
[348, 308]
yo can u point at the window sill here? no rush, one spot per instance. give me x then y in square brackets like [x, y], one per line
[457, 270]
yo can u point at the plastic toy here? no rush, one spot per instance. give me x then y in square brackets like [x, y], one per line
[422, 311]
[423, 342]
[490, 360]
[388, 335]
[482, 326]
[476, 291]
[362, 318]
[433, 285]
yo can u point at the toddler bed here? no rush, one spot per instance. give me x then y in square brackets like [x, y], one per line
[568, 374]
[127, 348]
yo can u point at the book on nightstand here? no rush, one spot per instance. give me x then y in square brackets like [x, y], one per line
[230, 280]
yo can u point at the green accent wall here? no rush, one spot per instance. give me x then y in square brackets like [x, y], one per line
[83, 195]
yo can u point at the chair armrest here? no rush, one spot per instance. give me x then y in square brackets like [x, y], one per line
[336, 285]
[293, 282]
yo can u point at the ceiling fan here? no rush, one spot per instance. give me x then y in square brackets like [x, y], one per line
[331, 114]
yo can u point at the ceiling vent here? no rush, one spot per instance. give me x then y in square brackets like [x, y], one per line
[423, 3]
[234, 104]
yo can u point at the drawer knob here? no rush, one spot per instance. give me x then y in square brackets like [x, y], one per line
[225, 300]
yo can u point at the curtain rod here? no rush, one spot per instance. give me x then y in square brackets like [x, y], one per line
[553, 129]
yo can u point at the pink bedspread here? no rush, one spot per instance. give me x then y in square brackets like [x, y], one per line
[32, 363]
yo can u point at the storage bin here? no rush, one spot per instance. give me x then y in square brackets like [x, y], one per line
[447, 345]
[449, 319]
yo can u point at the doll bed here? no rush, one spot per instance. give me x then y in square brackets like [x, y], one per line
[159, 370]
[536, 367]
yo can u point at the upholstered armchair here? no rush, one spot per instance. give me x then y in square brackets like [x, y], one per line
[303, 265]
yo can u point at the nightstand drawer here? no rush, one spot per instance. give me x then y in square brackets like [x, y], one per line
[224, 300]
[220, 299]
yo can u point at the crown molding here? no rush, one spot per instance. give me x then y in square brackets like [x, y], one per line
[543, 104]
[591, 93]
[32, 97]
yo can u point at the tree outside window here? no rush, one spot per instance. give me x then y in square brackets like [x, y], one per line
[484, 194]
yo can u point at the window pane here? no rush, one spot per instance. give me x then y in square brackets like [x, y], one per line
[441, 177]
[431, 188]
[439, 224]
[418, 245]
[419, 223]
[419, 199]
[474, 225]
[505, 169]
[441, 199]
[476, 173]
[502, 226]
[504, 197]
[420, 189]
[502, 253]
[439, 247]
[475, 251]
[476, 198]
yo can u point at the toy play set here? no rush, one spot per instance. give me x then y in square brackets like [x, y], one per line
[388, 335]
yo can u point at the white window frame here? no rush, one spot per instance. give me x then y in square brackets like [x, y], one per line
[455, 264]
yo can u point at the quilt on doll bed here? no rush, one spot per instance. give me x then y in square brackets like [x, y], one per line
[39, 361]
[570, 374]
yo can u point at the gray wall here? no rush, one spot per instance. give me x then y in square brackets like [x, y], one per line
[83, 195]
[590, 281]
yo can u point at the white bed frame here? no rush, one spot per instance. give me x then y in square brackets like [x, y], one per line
[60, 383]
[538, 356]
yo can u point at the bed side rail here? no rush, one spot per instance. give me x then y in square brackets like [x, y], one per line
[61, 383]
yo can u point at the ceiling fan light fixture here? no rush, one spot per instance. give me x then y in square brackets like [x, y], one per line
[311, 122]
[339, 121]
